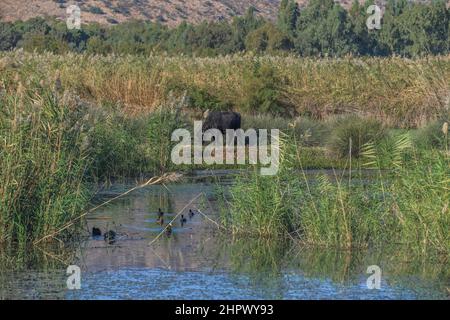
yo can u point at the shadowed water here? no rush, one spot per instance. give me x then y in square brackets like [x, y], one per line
[198, 262]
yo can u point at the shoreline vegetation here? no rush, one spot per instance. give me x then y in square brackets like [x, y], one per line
[404, 200]
[70, 121]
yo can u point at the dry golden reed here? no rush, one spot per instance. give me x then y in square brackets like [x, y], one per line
[398, 91]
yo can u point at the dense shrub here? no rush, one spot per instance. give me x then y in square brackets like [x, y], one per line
[199, 98]
[432, 135]
[116, 144]
[261, 89]
[350, 133]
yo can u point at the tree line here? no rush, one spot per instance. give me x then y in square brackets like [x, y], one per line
[322, 28]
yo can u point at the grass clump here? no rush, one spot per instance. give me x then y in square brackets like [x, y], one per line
[310, 132]
[349, 135]
[118, 146]
[262, 86]
[433, 136]
[259, 205]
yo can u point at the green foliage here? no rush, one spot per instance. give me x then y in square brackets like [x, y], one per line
[43, 159]
[161, 124]
[413, 29]
[324, 29]
[288, 16]
[117, 146]
[406, 205]
[321, 28]
[261, 85]
[201, 99]
[258, 204]
[198, 98]
[351, 133]
[42, 43]
[267, 39]
[432, 136]
[9, 36]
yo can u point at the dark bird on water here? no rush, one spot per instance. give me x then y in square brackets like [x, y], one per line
[160, 213]
[96, 232]
[169, 230]
[183, 220]
[160, 221]
[110, 237]
[191, 213]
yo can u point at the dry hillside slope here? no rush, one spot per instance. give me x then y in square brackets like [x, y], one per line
[170, 12]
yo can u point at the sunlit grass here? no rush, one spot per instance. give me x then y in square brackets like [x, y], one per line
[396, 91]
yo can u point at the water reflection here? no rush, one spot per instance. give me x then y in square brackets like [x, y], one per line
[198, 262]
[247, 270]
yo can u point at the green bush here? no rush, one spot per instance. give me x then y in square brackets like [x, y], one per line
[201, 99]
[198, 98]
[350, 133]
[432, 136]
[262, 91]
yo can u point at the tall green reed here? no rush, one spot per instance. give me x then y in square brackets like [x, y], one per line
[42, 163]
[397, 195]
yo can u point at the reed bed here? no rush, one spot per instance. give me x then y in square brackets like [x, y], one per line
[397, 91]
[42, 164]
[364, 206]
[54, 149]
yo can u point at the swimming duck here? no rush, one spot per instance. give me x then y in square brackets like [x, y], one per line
[160, 213]
[191, 213]
[183, 220]
[96, 232]
[110, 237]
[169, 230]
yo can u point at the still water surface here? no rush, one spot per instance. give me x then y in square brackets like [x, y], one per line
[199, 262]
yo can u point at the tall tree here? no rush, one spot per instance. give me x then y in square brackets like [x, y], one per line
[323, 28]
[287, 16]
[242, 26]
[426, 28]
[392, 38]
[267, 38]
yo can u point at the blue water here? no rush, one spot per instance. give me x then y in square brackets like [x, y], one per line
[135, 283]
[196, 262]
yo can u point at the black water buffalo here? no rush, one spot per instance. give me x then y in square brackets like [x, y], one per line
[221, 120]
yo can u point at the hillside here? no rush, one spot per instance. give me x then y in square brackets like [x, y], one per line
[170, 12]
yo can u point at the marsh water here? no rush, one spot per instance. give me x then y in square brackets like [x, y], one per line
[198, 261]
